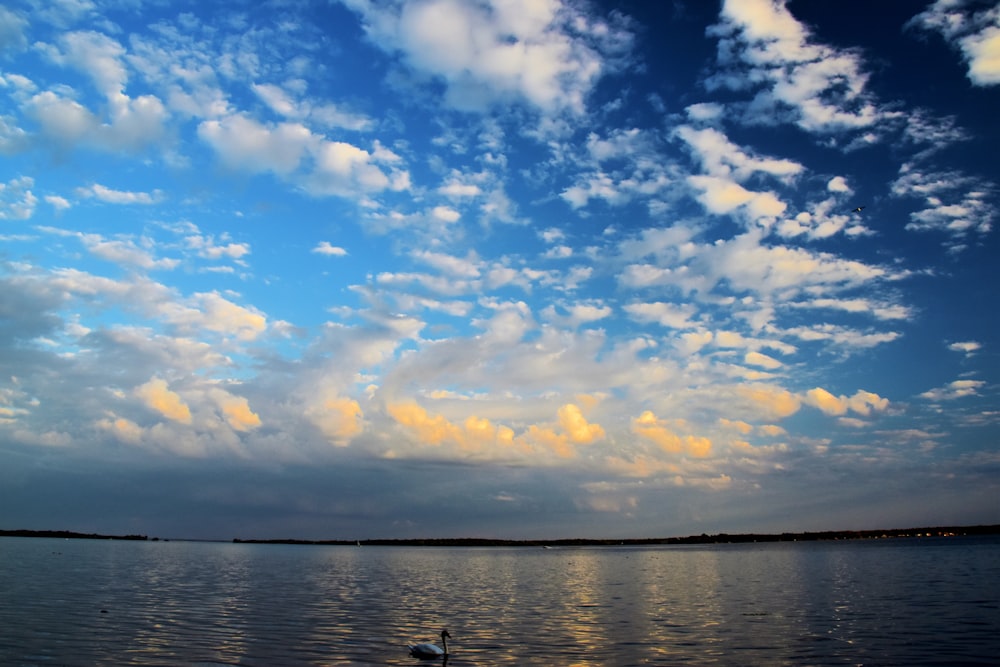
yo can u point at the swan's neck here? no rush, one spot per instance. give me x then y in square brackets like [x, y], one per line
[444, 640]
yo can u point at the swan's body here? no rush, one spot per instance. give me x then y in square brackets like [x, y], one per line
[430, 651]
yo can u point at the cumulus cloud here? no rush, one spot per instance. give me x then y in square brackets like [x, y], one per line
[670, 315]
[954, 390]
[125, 123]
[57, 202]
[723, 196]
[16, 199]
[158, 397]
[763, 48]
[111, 196]
[769, 401]
[208, 248]
[235, 410]
[324, 248]
[474, 435]
[546, 53]
[674, 264]
[657, 431]
[862, 402]
[339, 418]
[955, 204]
[722, 158]
[622, 165]
[12, 31]
[136, 123]
[246, 144]
[969, 347]
[973, 30]
[210, 311]
[346, 170]
[480, 437]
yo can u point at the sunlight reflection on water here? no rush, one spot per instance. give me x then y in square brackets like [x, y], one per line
[83, 602]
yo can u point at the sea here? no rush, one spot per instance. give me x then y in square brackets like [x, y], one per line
[901, 601]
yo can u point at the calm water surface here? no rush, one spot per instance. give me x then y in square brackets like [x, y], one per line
[884, 602]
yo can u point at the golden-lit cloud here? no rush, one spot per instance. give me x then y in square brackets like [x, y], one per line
[648, 426]
[481, 436]
[577, 427]
[123, 429]
[573, 429]
[236, 411]
[476, 435]
[429, 429]
[338, 417]
[773, 401]
[641, 466]
[157, 396]
[761, 360]
[227, 317]
[610, 503]
[862, 403]
[739, 426]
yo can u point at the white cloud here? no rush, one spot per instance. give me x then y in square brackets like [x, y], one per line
[968, 347]
[457, 189]
[462, 267]
[243, 143]
[720, 157]
[95, 55]
[16, 200]
[552, 235]
[957, 205]
[577, 314]
[705, 111]
[624, 164]
[324, 248]
[111, 196]
[57, 202]
[542, 52]
[954, 390]
[212, 312]
[208, 248]
[670, 315]
[839, 184]
[723, 196]
[125, 253]
[975, 33]
[132, 124]
[762, 47]
[345, 170]
[278, 100]
[445, 214]
[880, 310]
[12, 31]
[285, 103]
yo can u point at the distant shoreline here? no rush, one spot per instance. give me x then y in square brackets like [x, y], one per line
[70, 535]
[720, 538]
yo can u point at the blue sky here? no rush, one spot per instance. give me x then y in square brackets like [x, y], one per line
[497, 268]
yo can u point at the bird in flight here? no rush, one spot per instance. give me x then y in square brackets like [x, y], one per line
[858, 209]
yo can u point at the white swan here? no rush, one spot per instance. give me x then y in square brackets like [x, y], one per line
[430, 651]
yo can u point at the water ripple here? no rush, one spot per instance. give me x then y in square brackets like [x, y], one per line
[87, 602]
